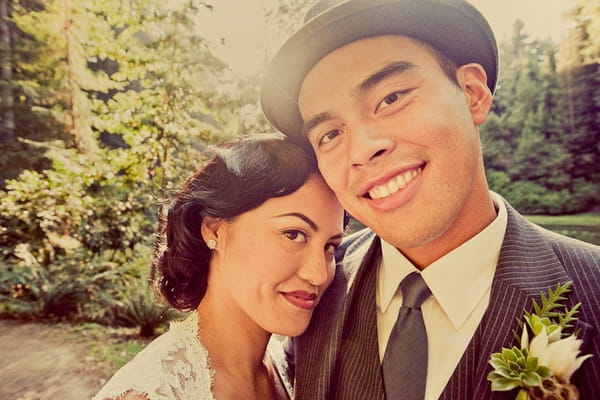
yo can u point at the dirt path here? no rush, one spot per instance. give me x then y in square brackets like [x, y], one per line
[41, 362]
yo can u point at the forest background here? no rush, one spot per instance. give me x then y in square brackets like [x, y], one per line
[108, 105]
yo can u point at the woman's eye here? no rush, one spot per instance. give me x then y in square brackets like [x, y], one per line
[296, 236]
[330, 248]
[329, 136]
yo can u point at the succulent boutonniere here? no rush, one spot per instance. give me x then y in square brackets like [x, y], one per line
[542, 367]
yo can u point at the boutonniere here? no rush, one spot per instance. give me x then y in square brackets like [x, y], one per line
[543, 365]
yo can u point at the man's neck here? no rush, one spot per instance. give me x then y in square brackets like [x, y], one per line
[472, 220]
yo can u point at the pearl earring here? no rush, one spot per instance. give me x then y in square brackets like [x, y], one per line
[211, 244]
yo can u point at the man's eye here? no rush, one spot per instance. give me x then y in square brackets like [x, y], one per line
[389, 100]
[329, 136]
[296, 236]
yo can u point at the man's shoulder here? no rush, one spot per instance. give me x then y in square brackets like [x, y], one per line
[355, 241]
[533, 244]
[520, 228]
[561, 244]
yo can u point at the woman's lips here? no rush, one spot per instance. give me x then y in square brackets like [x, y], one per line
[301, 299]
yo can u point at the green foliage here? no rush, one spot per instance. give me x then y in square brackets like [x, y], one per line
[540, 142]
[118, 354]
[135, 306]
[29, 289]
[584, 227]
[132, 302]
[110, 347]
[498, 181]
[546, 316]
[114, 102]
[534, 198]
[76, 204]
[514, 368]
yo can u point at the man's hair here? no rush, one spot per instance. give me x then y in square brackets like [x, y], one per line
[448, 66]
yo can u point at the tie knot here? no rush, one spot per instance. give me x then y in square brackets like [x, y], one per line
[414, 290]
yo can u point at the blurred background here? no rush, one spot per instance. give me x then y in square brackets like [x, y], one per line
[108, 105]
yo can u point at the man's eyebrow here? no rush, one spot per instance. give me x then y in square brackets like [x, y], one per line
[394, 68]
[303, 217]
[314, 121]
[372, 80]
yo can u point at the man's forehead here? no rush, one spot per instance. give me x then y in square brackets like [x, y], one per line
[378, 56]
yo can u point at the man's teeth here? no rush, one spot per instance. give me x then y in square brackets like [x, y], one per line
[395, 184]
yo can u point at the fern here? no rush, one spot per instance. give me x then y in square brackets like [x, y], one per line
[553, 309]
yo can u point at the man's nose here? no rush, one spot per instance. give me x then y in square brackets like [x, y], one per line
[368, 142]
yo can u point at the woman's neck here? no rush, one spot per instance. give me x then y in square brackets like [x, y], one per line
[236, 347]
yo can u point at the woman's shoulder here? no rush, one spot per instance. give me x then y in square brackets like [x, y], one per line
[173, 366]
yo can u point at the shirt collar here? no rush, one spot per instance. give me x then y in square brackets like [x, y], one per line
[457, 286]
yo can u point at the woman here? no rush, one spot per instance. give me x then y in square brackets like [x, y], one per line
[248, 246]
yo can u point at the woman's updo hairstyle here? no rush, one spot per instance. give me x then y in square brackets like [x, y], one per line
[242, 175]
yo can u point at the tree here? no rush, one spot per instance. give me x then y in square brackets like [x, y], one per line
[128, 94]
[579, 69]
[7, 118]
[525, 140]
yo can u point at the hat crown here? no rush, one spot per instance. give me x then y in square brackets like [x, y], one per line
[319, 7]
[453, 27]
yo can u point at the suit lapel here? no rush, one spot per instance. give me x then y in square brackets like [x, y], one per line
[357, 373]
[526, 267]
[316, 350]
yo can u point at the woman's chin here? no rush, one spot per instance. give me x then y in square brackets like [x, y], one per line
[291, 330]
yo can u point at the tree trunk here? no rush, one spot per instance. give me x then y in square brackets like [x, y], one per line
[76, 98]
[7, 118]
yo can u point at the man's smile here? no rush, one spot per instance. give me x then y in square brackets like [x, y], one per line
[395, 184]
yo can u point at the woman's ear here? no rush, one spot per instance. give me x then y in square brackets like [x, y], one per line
[473, 82]
[210, 228]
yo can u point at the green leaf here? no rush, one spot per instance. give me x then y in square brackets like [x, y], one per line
[532, 364]
[532, 380]
[523, 395]
[508, 355]
[544, 371]
[497, 361]
[502, 384]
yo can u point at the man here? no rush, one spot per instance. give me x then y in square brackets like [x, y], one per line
[390, 94]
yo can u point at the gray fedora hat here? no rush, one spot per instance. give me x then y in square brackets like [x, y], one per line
[454, 27]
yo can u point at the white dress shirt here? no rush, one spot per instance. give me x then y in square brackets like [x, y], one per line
[460, 283]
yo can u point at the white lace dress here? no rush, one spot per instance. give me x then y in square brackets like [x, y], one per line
[175, 366]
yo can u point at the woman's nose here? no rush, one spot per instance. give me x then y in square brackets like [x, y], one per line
[315, 269]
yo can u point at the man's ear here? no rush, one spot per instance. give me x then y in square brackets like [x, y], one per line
[473, 82]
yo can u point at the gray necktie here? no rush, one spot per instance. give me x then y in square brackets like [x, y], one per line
[405, 360]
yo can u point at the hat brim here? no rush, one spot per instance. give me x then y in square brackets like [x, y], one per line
[453, 27]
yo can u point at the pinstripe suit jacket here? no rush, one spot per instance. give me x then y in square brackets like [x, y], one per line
[531, 260]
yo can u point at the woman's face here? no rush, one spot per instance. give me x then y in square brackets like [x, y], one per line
[273, 263]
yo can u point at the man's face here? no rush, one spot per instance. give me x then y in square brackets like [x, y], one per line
[398, 142]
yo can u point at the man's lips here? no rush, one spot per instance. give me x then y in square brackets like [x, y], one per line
[301, 299]
[386, 187]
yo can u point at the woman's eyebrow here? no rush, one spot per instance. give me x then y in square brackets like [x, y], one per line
[303, 217]
[388, 70]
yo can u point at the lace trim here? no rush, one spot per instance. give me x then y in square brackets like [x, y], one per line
[275, 350]
[175, 366]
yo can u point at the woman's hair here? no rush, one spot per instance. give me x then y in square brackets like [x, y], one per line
[242, 175]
